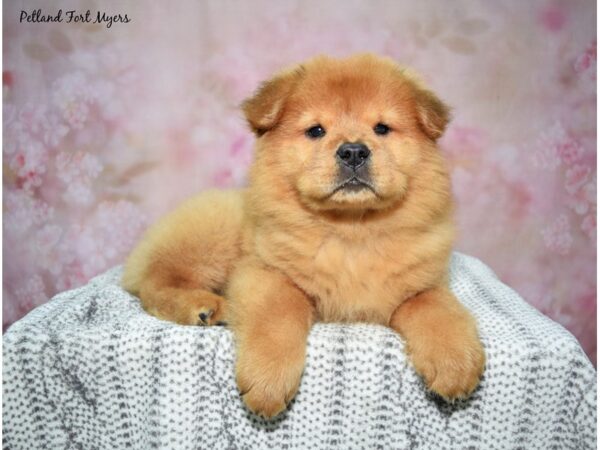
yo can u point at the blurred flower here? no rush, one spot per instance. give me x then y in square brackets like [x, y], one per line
[557, 236]
[77, 171]
[576, 177]
[552, 146]
[22, 211]
[583, 199]
[589, 226]
[72, 96]
[586, 62]
[103, 93]
[29, 162]
[553, 17]
[569, 149]
[54, 131]
[97, 245]
[33, 118]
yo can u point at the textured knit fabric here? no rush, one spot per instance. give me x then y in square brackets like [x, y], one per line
[90, 369]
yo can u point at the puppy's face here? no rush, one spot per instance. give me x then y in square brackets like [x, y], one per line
[345, 134]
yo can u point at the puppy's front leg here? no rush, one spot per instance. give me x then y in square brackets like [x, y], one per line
[271, 319]
[442, 342]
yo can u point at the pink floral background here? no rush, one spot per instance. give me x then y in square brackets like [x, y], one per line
[107, 128]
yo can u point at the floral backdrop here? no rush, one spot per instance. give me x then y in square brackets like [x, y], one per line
[105, 128]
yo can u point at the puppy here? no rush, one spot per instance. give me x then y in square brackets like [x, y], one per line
[347, 217]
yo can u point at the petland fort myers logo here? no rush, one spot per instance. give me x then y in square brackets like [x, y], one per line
[73, 16]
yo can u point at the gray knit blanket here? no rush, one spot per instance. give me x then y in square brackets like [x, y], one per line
[91, 370]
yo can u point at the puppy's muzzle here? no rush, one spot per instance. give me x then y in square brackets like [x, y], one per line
[353, 155]
[353, 173]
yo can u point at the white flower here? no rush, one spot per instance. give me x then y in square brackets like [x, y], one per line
[71, 96]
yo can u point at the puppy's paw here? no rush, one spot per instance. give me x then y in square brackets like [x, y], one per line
[267, 384]
[265, 401]
[451, 368]
[209, 309]
[194, 307]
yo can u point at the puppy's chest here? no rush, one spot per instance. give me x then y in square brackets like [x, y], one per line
[348, 280]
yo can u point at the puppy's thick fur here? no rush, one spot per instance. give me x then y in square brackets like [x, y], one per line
[306, 243]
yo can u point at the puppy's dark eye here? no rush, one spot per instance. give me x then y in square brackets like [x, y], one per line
[381, 129]
[315, 132]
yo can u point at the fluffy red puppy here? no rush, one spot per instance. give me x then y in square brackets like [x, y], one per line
[347, 217]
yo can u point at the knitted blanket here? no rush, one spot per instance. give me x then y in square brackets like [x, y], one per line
[91, 370]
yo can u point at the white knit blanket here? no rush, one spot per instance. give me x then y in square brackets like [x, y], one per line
[90, 369]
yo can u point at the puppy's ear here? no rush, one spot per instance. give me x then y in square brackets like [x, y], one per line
[432, 113]
[264, 108]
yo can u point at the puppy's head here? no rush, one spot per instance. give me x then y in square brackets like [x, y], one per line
[345, 134]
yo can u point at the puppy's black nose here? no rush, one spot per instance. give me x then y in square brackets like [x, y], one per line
[353, 154]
